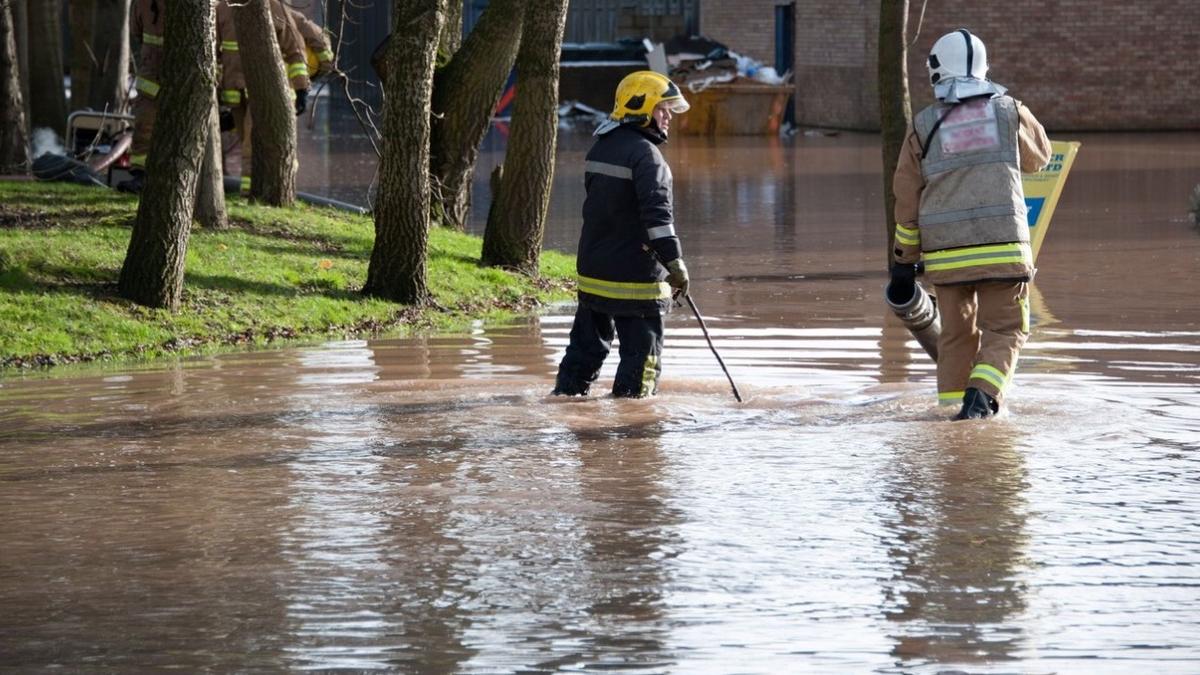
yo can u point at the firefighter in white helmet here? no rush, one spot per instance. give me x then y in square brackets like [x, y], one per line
[960, 209]
[628, 222]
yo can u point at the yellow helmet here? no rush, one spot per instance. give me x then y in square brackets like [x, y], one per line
[640, 92]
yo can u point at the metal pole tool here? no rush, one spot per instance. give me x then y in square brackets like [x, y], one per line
[703, 328]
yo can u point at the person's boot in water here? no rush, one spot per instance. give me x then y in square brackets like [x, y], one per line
[977, 405]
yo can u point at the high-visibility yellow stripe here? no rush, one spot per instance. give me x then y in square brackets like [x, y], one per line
[625, 290]
[151, 39]
[229, 45]
[907, 235]
[974, 256]
[297, 69]
[649, 373]
[950, 397]
[148, 87]
[245, 184]
[325, 55]
[231, 96]
[989, 373]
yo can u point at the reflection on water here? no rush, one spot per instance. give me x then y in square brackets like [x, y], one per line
[958, 540]
[420, 505]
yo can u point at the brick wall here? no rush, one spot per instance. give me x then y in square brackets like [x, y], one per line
[1078, 64]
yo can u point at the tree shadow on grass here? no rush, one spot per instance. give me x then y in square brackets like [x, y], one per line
[455, 257]
[24, 217]
[318, 242]
[230, 284]
[101, 284]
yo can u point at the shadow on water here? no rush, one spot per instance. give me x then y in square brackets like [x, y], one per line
[423, 505]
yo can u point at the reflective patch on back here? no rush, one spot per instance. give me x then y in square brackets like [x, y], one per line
[970, 127]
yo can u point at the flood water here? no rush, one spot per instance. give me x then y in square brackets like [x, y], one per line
[421, 505]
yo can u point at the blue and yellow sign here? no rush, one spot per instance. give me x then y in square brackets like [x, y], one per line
[1043, 188]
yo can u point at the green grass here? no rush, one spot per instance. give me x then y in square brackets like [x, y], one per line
[276, 276]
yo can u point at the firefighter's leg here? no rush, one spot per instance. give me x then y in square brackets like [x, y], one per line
[1004, 324]
[231, 129]
[591, 340]
[244, 122]
[959, 342]
[145, 112]
[641, 341]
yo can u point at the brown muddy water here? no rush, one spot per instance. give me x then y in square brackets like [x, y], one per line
[421, 505]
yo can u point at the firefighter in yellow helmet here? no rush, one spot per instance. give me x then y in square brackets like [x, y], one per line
[232, 92]
[960, 208]
[623, 291]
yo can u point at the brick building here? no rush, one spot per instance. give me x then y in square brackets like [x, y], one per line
[1079, 64]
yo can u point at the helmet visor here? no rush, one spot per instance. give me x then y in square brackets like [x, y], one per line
[677, 104]
[674, 100]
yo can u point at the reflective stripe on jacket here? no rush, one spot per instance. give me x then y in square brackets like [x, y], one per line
[628, 206]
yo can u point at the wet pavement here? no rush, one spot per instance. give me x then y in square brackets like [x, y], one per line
[420, 505]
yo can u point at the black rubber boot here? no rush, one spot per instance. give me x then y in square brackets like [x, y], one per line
[135, 184]
[977, 405]
[569, 383]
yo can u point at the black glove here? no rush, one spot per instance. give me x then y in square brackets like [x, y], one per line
[301, 101]
[225, 115]
[904, 279]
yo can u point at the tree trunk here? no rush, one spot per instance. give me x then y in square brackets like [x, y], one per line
[109, 79]
[152, 274]
[14, 139]
[210, 193]
[516, 220]
[895, 112]
[82, 15]
[273, 132]
[47, 98]
[464, 96]
[398, 260]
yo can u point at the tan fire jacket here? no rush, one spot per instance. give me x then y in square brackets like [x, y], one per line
[316, 42]
[147, 19]
[988, 260]
[291, 44]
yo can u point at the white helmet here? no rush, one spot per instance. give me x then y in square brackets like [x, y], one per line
[957, 54]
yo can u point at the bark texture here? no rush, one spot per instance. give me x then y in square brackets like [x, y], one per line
[516, 219]
[465, 95]
[47, 96]
[152, 274]
[895, 110]
[451, 38]
[82, 14]
[109, 81]
[273, 132]
[14, 139]
[20, 20]
[398, 260]
[210, 193]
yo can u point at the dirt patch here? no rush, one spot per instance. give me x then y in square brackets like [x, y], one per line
[17, 218]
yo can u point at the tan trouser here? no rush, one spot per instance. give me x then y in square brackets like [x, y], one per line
[145, 112]
[984, 326]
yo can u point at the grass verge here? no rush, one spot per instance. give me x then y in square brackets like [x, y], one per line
[274, 276]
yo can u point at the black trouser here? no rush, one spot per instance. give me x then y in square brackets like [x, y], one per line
[641, 341]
